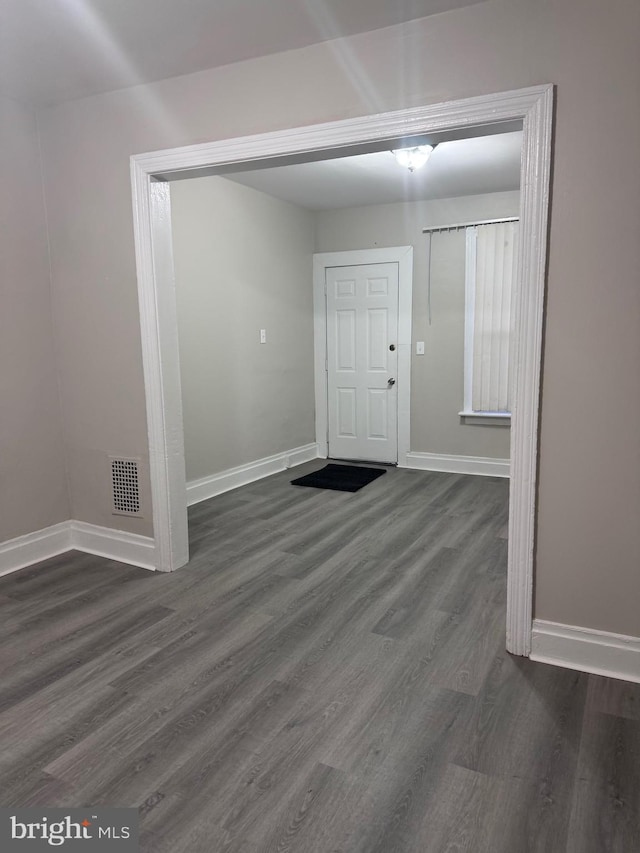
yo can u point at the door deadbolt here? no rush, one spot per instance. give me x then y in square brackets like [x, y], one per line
[392, 347]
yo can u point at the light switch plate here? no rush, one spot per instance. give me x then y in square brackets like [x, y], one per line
[419, 347]
[263, 336]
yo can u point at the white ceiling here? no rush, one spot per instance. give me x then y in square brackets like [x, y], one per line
[485, 164]
[56, 50]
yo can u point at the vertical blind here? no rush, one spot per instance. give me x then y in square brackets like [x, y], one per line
[496, 252]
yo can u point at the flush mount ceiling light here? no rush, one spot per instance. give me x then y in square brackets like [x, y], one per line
[413, 158]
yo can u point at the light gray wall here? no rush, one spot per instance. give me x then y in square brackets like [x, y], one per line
[33, 492]
[437, 377]
[243, 262]
[587, 531]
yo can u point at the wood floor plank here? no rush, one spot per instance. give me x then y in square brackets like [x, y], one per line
[382, 731]
[475, 636]
[52, 735]
[307, 820]
[477, 813]
[605, 812]
[37, 634]
[36, 789]
[526, 722]
[432, 572]
[409, 789]
[74, 650]
[171, 708]
[611, 696]
[327, 675]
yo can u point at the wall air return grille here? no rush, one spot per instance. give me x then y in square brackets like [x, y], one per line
[125, 486]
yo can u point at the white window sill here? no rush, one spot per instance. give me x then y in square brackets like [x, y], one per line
[486, 418]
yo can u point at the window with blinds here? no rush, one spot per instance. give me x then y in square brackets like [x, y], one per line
[492, 252]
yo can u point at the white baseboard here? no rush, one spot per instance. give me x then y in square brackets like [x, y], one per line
[484, 465]
[113, 544]
[34, 547]
[300, 455]
[127, 547]
[217, 484]
[80, 536]
[585, 649]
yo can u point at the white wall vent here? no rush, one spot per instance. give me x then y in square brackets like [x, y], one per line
[125, 483]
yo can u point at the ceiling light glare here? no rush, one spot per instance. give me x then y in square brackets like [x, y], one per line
[413, 158]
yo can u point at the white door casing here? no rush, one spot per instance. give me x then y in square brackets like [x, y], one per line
[533, 107]
[362, 325]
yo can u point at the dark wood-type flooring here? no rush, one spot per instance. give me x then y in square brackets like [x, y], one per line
[328, 675]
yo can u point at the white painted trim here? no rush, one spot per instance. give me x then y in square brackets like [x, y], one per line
[587, 650]
[405, 320]
[161, 364]
[300, 455]
[403, 256]
[232, 478]
[534, 106]
[119, 545]
[333, 136]
[320, 356]
[487, 418]
[498, 416]
[33, 547]
[484, 465]
[106, 542]
[535, 180]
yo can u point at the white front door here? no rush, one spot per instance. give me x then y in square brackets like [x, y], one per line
[362, 361]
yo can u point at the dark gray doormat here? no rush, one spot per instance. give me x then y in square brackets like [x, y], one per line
[341, 478]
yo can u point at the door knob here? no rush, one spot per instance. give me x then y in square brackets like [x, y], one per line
[391, 381]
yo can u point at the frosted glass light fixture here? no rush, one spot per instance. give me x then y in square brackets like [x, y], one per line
[413, 158]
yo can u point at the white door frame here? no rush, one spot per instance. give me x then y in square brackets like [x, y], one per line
[158, 321]
[403, 256]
